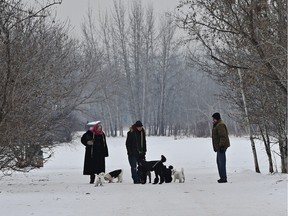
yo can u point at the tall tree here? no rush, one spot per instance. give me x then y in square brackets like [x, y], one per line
[246, 35]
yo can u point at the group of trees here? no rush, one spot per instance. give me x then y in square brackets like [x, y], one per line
[243, 46]
[40, 84]
[133, 64]
[141, 53]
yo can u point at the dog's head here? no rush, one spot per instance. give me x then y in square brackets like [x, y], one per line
[163, 158]
[107, 177]
[101, 175]
[173, 171]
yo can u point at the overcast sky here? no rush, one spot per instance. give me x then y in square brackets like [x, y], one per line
[75, 10]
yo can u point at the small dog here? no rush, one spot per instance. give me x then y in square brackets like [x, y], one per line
[99, 179]
[178, 175]
[114, 174]
[168, 174]
[156, 166]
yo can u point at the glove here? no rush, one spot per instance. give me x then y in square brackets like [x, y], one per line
[90, 142]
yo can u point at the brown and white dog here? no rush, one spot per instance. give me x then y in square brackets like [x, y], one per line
[114, 174]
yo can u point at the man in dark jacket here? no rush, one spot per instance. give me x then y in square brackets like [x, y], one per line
[136, 147]
[220, 141]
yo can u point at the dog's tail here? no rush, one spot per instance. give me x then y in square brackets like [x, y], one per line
[163, 158]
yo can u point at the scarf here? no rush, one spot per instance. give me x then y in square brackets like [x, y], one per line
[95, 129]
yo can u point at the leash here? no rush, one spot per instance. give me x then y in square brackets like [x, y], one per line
[156, 164]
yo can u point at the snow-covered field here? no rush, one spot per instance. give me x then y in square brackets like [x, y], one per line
[60, 189]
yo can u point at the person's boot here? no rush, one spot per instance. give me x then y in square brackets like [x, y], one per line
[92, 179]
[222, 180]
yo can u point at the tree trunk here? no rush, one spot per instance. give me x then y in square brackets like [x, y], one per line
[248, 125]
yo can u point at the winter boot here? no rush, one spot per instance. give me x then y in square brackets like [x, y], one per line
[222, 180]
[92, 179]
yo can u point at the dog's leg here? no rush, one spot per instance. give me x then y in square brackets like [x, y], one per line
[142, 174]
[120, 178]
[162, 178]
[156, 180]
[101, 180]
[149, 176]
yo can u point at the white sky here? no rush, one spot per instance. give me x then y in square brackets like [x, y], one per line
[75, 10]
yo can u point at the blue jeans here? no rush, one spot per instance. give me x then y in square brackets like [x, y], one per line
[221, 164]
[133, 164]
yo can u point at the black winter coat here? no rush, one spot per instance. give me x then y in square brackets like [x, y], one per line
[136, 142]
[94, 161]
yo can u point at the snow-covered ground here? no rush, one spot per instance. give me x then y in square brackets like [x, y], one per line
[60, 189]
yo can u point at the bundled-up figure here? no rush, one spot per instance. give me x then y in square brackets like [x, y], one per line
[136, 147]
[220, 141]
[96, 151]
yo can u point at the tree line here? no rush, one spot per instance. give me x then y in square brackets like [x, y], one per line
[171, 71]
[245, 50]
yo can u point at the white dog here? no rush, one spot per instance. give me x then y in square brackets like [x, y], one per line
[114, 174]
[99, 179]
[178, 175]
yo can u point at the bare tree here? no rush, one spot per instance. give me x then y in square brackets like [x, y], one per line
[244, 35]
[41, 86]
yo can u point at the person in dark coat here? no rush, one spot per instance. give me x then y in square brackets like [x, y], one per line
[136, 147]
[96, 150]
[220, 141]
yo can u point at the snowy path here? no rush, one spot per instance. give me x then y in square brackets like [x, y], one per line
[61, 189]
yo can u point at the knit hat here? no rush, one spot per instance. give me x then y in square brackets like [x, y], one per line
[216, 116]
[138, 124]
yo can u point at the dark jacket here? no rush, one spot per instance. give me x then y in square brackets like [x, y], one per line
[220, 137]
[94, 161]
[136, 142]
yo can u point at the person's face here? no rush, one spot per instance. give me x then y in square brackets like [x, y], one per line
[99, 127]
[214, 121]
[139, 128]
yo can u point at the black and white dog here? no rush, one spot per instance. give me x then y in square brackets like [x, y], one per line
[157, 166]
[114, 174]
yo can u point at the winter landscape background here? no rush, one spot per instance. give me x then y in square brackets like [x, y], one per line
[59, 188]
